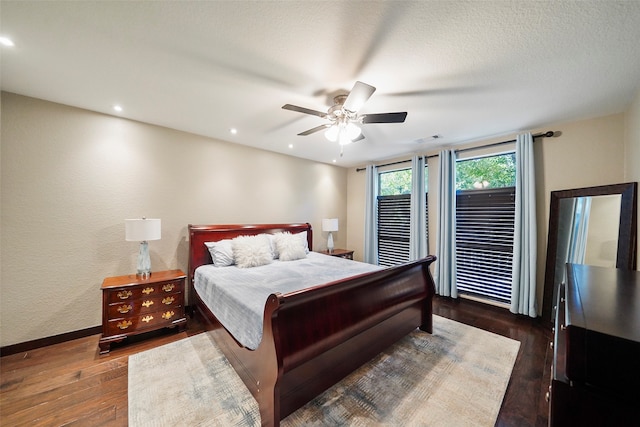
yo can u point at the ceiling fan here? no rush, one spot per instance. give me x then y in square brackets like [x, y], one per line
[344, 120]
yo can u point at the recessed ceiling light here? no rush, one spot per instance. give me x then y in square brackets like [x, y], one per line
[290, 145]
[233, 131]
[334, 160]
[6, 41]
[117, 108]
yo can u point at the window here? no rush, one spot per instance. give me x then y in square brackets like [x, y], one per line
[393, 216]
[485, 215]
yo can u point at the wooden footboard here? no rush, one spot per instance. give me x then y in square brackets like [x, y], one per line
[323, 334]
[315, 337]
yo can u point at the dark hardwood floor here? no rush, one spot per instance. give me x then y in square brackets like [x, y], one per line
[70, 384]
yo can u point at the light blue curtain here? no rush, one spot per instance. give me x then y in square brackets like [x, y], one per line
[445, 271]
[370, 240]
[418, 233]
[523, 286]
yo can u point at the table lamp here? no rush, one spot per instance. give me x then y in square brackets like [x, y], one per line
[142, 230]
[330, 224]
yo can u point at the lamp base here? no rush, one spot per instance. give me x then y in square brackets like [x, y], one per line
[330, 243]
[144, 262]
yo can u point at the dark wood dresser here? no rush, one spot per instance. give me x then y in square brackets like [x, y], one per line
[595, 378]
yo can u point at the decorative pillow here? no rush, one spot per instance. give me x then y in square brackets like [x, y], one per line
[221, 252]
[272, 244]
[274, 247]
[290, 246]
[251, 251]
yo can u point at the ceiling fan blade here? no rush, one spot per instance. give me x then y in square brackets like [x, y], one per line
[360, 93]
[304, 110]
[384, 118]
[358, 138]
[314, 130]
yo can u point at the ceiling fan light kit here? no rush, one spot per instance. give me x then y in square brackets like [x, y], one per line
[344, 126]
[344, 132]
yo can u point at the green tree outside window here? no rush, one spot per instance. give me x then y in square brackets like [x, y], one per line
[486, 172]
[397, 182]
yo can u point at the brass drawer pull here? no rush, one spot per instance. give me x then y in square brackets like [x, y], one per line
[124, 294]
[125, 308]
[147, 303]
[168, 287]
[124, 324]
[168, 300]
[168, 315]
[147, 291]
[147, 319]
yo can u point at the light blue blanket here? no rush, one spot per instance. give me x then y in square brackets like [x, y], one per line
[237, 296]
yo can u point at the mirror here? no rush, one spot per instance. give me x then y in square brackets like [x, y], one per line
[594, 226]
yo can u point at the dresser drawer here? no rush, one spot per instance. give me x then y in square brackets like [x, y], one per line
[558, 371]
[144, 291]
[143, 305]
[152, 320]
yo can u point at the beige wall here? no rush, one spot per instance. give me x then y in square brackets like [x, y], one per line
[632, 150]
[70, 177]
[587, 153]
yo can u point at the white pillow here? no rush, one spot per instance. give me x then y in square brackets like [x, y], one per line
[290, 246]
[274, 247]
[272, 244]
[221, 252]
[251, 251]
[303, 236]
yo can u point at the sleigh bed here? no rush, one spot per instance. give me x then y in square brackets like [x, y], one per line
[312, 338]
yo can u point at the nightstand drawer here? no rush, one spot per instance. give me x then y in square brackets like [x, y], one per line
[145, 321]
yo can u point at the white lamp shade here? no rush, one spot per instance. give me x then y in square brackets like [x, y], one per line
[330, 224]
[142, 230]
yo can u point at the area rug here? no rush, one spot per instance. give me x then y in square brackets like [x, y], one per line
[456, 376]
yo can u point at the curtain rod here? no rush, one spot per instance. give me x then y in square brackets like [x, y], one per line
[547, 134]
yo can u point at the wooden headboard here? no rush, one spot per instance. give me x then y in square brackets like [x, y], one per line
[199, 234]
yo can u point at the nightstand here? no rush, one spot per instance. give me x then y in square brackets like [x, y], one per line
[340, 253]
[131, 305]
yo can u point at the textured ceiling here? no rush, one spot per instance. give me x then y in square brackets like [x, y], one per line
[462, 70]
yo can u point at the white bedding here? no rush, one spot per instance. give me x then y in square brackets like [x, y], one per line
[237, 296]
